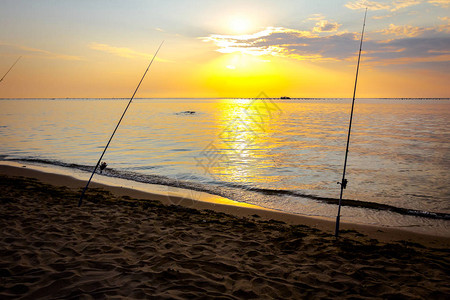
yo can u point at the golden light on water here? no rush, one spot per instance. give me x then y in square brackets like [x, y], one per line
[242, 124]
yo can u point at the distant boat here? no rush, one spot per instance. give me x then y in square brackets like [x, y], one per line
[285, 97]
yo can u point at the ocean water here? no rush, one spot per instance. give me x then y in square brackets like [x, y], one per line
[282, 154]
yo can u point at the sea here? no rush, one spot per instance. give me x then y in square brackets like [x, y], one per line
[281, 154]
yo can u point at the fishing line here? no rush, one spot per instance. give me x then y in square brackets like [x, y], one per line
[10, 68]
[117, 126]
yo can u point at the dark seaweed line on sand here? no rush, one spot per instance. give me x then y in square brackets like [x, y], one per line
[162, 180]
[359, 203]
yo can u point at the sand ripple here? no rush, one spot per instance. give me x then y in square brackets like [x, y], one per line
[49, 248]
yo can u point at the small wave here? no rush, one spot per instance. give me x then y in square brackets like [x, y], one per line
[54, 163]
[234, 191]
[351, 203]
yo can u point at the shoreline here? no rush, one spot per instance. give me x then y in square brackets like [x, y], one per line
[234, 208]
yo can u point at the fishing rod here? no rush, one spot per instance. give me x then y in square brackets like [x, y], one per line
[117, 126]
[344, 181]
[10, 68]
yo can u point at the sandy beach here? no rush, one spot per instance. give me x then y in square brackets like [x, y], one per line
[128, 244]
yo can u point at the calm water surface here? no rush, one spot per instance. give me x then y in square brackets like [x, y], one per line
[283, 154]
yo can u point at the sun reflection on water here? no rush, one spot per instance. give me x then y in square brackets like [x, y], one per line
[245, 136]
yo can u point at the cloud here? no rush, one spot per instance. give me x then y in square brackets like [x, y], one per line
[414, 31]
[315, 17]
[362, 4]
[410, 50]
[442, 3]
[404, 30]
[122, 51]
[399, 4]
[381, 17]
[29, 51]
[258, 43]
[408, 45]
[285, 42]
[325, 26]
[119, 51]
[382, 5]
[322, 25]
[445, 28]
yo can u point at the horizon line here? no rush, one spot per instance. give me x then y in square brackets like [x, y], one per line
[275, 98]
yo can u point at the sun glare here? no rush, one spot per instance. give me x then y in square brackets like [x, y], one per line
[239, 24]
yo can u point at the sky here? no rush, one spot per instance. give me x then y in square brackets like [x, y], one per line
[214, 48]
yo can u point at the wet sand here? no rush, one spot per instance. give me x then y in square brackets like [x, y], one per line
[126, 243]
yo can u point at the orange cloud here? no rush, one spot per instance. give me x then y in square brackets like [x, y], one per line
[398, 4]
[315, 17]
[122, 51]
[382, 5]
[404, 30]
[442, 3]
[325, 26]
[362, 4]
[119, 51]
[40, 52]
[381, 17]
[409, 60]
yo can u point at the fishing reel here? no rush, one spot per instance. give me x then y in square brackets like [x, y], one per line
[343, 183]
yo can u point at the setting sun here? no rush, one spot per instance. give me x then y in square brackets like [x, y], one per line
[239, 24]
